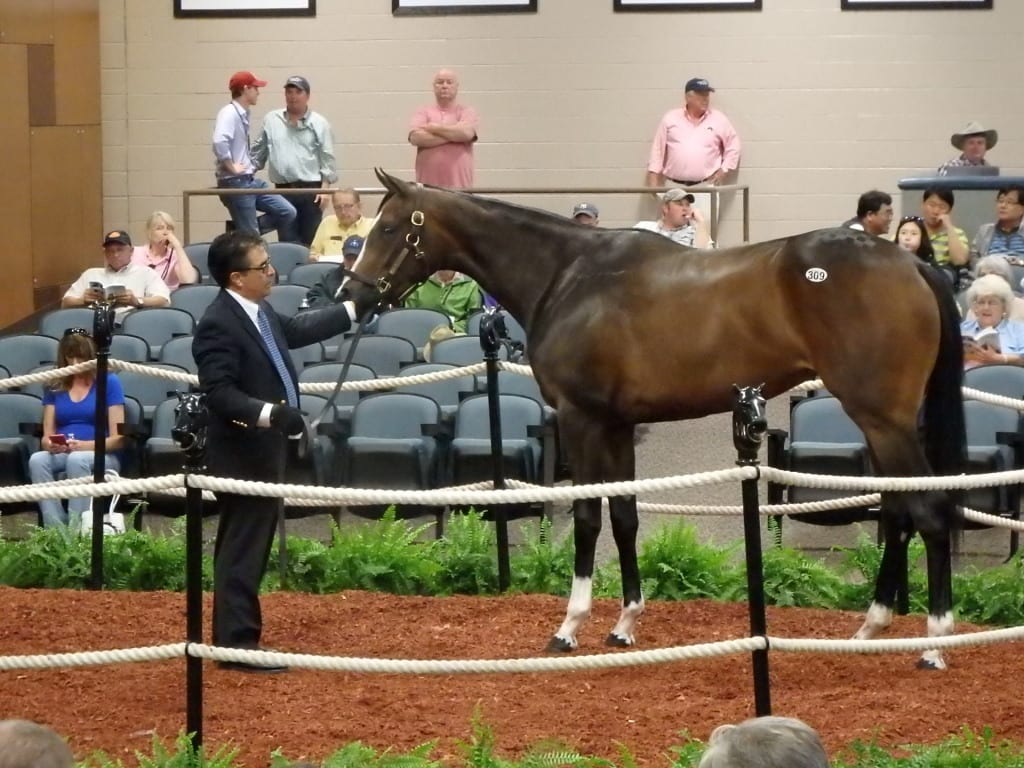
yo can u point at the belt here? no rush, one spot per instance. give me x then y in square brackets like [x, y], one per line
[298, 184]
[686, 183]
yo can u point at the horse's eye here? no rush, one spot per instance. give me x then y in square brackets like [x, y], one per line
[388, 229]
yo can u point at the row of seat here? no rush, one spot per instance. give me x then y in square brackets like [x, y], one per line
[285, 258]
[822, 439]
[157, 326]
[398, 440]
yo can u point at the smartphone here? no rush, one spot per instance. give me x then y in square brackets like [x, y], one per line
[115, 290]
[96, 286]
[59, 439]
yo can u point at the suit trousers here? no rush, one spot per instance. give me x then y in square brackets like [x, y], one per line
[244, 537]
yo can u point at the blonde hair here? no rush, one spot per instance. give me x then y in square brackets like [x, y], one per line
[156, 216]
[440, 333]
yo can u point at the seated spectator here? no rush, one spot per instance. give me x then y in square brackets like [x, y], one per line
[680, 222]
[439, 334]
[948, 240]
[164, 253]
[127, 285]
[997, 265]
[874, 213]
[69, 434]
[450, 292]
[586, 213]
[325, 292]
[765, 742]
[1004, 237]
[24, 744]
[990, 299]
[912, 235]
[334, 230]
[973, 141]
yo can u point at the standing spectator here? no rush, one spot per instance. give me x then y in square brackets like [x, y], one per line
[451, 292]
[325, 292]
[973, 141]
[24, 744]
[251, 391]
[296, 146]
[874, 213]
[164, 253]
[695, 144]
[443, 134]
[765, 742]
[1004, 237]
[948, 240]
[586, 213]
[235, 168]
[334, 230]
[128, 286]
[680, 222]
[69, 433]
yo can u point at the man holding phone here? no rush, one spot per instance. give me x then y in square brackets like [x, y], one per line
[126, 285]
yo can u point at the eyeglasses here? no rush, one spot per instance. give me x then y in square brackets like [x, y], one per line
[76, 332]
[265, 268]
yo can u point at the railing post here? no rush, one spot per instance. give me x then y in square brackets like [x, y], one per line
[102, 328]
[190, 434]
[492, 328]
[748, 430]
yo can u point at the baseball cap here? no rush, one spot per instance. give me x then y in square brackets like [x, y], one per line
[676, 195]
[242, 79]
[352, 246]
[698, 84]
[297, 81]
[585, 209]
[117, 236]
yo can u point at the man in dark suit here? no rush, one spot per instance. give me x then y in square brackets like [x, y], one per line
[241, 348]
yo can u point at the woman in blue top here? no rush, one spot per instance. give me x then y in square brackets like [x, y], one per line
[69, 432]
[990, 337]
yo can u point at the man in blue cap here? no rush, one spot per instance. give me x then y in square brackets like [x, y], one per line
[325, 292]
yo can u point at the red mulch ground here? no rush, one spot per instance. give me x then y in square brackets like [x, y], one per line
[309, 714]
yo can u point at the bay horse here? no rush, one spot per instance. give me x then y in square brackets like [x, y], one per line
[626, 327]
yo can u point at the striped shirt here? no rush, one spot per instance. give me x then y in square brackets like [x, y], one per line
[684, 235]
[958, 162]
[1006, 243]
[301, 151]
[940, 243]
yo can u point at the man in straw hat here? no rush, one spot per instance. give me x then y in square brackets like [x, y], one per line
[973, 141]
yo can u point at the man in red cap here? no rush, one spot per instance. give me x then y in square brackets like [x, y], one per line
[235, 168]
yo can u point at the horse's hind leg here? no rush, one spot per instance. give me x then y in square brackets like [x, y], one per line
[931, 513]
[896, 534]
[598, 453]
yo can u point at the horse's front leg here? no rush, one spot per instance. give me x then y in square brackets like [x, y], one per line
[896, 534]
[625, 525]
[586, 528]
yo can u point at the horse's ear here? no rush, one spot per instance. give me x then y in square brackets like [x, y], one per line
[391, 184]
[736, 389]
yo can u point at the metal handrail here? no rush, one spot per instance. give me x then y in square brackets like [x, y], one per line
[714, 190]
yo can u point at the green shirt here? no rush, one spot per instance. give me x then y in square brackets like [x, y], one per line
[940, 244]
[303, 151]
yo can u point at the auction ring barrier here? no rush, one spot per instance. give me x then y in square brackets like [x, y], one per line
[749, 472]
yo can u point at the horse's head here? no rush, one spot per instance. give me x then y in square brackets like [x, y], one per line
[749, 422]
[190, 422]
[394, 258]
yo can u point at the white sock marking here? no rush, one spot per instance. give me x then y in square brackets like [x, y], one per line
[578, 610]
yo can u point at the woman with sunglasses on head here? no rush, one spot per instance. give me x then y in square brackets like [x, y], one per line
[69, 431]
[913, 236]
[164, 253]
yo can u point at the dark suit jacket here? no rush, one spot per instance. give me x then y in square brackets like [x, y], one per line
[239, 378]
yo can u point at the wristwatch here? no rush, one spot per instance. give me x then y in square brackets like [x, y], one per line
[138, 301]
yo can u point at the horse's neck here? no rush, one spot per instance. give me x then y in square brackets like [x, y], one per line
[516, 264]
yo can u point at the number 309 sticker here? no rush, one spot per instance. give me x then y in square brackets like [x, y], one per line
[816, 275]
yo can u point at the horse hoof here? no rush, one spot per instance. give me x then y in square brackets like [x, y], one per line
[560, 645]
[617, 641]
[930, 665]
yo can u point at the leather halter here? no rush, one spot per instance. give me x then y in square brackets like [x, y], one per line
[411, 246]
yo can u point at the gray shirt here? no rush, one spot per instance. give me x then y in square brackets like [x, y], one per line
[302, 151]
[685, 235]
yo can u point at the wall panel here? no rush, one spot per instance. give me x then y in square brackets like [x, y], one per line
[16, 248]
[26, 21]
[77, 60]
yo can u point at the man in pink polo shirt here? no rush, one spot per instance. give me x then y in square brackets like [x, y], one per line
[695, 144]
[444, 134]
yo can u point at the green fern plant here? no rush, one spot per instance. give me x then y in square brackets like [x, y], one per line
[540, 565]
[467, 556]
[675, 565]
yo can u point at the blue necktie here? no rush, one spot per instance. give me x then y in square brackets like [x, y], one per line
[275, 355]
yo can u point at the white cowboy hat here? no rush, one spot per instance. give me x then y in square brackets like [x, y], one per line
[974, 128]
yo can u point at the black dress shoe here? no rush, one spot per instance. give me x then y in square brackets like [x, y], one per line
[244, 666]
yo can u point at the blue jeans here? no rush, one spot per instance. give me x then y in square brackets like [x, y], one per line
[45, 467]
[280, 213]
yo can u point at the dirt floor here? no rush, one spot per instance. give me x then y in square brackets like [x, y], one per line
[309, 714]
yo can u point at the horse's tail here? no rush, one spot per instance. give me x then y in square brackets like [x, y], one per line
[944, 434]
